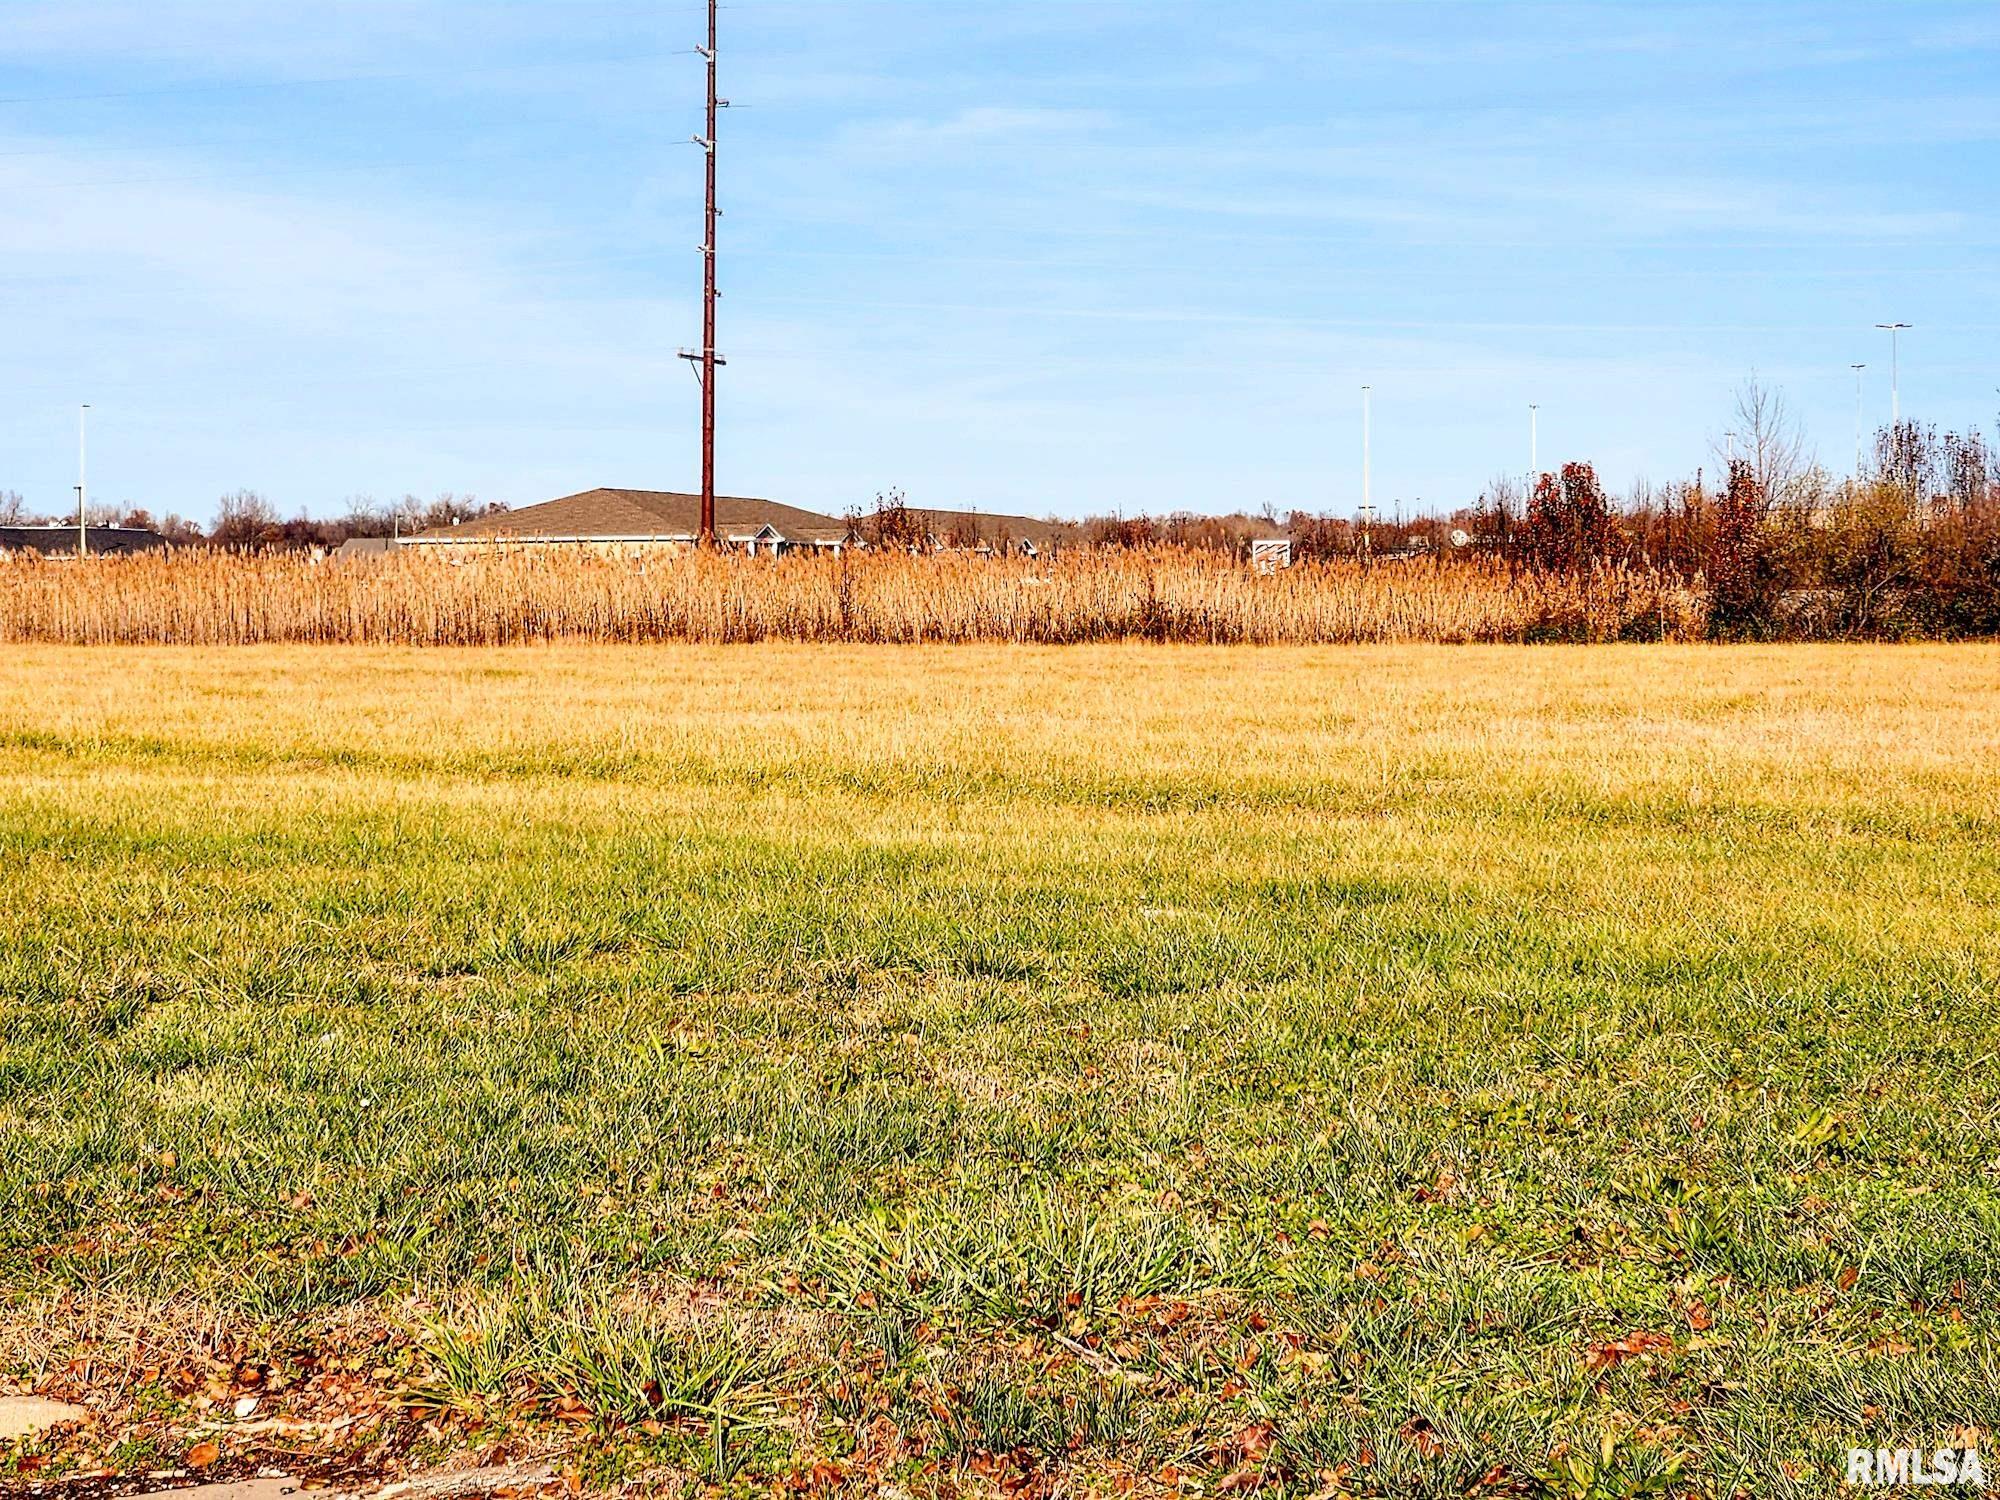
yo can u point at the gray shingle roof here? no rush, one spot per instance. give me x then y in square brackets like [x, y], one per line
[63, 539]
[640, 515]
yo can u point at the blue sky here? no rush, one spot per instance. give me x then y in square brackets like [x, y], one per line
[1058, 256]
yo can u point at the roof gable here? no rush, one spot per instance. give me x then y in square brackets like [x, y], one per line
[640, 515]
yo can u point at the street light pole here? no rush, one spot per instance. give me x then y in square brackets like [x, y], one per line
[1534, 442]
[82, 479]
[1895, 372]
[1857, 369]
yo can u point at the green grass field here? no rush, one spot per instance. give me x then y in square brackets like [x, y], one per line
[1557, 1071]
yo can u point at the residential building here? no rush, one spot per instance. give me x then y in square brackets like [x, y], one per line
[622, 521]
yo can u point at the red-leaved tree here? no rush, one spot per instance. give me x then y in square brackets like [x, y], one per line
[1741, 584]
[1569, 523]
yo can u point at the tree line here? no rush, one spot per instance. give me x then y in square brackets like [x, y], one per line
[1909, 546]
[1778, 546]
[247, 519]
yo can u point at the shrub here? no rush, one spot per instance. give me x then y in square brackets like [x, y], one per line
[1743, 591]
[1569, 524]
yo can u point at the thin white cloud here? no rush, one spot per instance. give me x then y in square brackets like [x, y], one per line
[229, 37]
[1019, 253]
[1977, 32]
[964, 133]
[231, 319]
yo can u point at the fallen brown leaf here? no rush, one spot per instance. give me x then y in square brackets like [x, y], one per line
[1632, 1346]
[1419, 1434]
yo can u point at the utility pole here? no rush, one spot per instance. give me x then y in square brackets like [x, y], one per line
[1857, 369]
[82, 480]
[1895, 373]
[705, 359]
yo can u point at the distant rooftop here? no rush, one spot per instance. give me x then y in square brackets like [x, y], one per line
[61, 540]
[641, 515]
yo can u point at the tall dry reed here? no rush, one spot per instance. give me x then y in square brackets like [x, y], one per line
[193, 597]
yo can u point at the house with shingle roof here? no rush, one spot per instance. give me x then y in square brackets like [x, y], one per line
[61, 540]
[629, 520]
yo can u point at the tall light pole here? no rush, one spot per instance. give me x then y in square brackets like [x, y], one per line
[1895, 372]
[1534, 442]
[82, 479]
[1857, 369]
[1367, 453]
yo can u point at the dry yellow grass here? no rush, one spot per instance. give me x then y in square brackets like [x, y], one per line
[501, 598]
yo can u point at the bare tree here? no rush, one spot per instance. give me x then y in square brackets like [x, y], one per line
[410, 515]
[363, 517]
[1499, 510]
[893, 525]
[1969, 468]
[1910, 460]
[1766, 436]
[14, 511]
[179, 529]
[245, 519]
